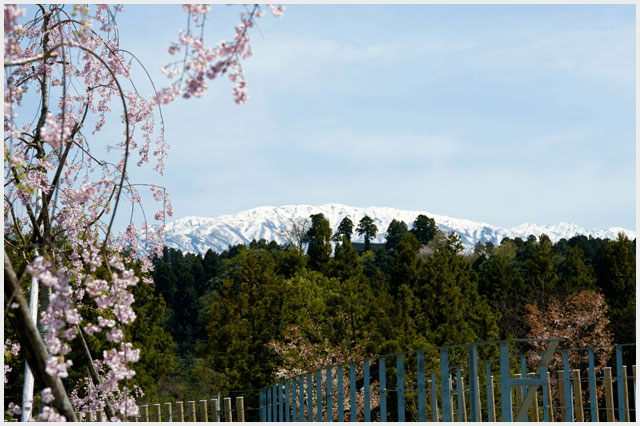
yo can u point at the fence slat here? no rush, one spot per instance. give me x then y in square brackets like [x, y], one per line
[518, 392]
[167, 410]
[620, 380]
[536, 415]
[157, 413]
[145, 413]
[340, 394]
[228, 416]
[568, 397]
[444, 383]
[434, 398]
[240, 408]
[192, 411]
[523, 368]
[577, 393]
[276, 402]
[563, 405]
[204, 415]
[286, 401]
[460, 394]
[548, 400]
[319, 396]
[294, 400]
[329, 396]
[422, 414]
[608, 392]
[505, 389]
[367, 392]
[474, 384]
[352, 391]
[489, 385]
[382, 376]
[180, 407]
[301, 397]
[593, 399]
[280, 400]
[400, 377]
[309, 397]
[626, 393]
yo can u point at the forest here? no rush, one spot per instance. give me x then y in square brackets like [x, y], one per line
[242, 318]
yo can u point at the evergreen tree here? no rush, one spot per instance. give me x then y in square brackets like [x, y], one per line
[424, 229]
[318, 238]
[618, 283]
[501, 283]
[541, 271]
[395, 232]
[448, 290]
[368, 228]
[574, 275]
[405, 265]
[345, 230]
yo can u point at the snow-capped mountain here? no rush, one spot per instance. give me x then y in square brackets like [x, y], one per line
[198, 234]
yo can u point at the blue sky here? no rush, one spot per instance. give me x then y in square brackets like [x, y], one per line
[502, 114]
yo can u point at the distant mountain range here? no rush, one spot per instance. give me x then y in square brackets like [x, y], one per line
[198, 234]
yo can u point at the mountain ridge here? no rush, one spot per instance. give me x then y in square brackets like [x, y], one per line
[197, 234]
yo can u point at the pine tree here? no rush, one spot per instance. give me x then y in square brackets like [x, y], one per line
[345, 230]
[618, 283]
[318, 238]
[574, 275]
[395, 232]
[368, 228]
[424, 228]
[448, 290]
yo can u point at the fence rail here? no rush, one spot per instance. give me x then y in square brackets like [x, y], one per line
[449, 384]
[195, 411]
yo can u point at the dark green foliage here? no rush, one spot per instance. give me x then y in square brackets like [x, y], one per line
[318, 238]
[384, 300]
[618, 284]
[345, 230]
[395, 232]
[405, 266]
[424, 229]
[368, 228]
[448, 289]
[575, 276]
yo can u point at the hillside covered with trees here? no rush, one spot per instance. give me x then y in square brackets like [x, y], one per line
[233, 314]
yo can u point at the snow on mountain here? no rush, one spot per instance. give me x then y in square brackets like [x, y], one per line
[198, 234]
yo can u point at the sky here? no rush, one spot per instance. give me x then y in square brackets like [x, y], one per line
[503, 114]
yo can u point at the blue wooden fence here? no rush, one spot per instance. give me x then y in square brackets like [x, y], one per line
[423, 384]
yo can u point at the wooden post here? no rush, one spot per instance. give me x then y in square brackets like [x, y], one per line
[518, 391]
[550, 396]
[192, 411]
[240, 408]
[479, 403]
[92, 416]
[167, 411]
[203, 411]
[608, 394]
[101, 416]
[536, 416]
[626, 393]
[214, 410]
[227, 410]
[577, 395]
[157, 413]
[563, 404]
[145, 413]
[180, 407]
[464, 403]
[493, 399]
